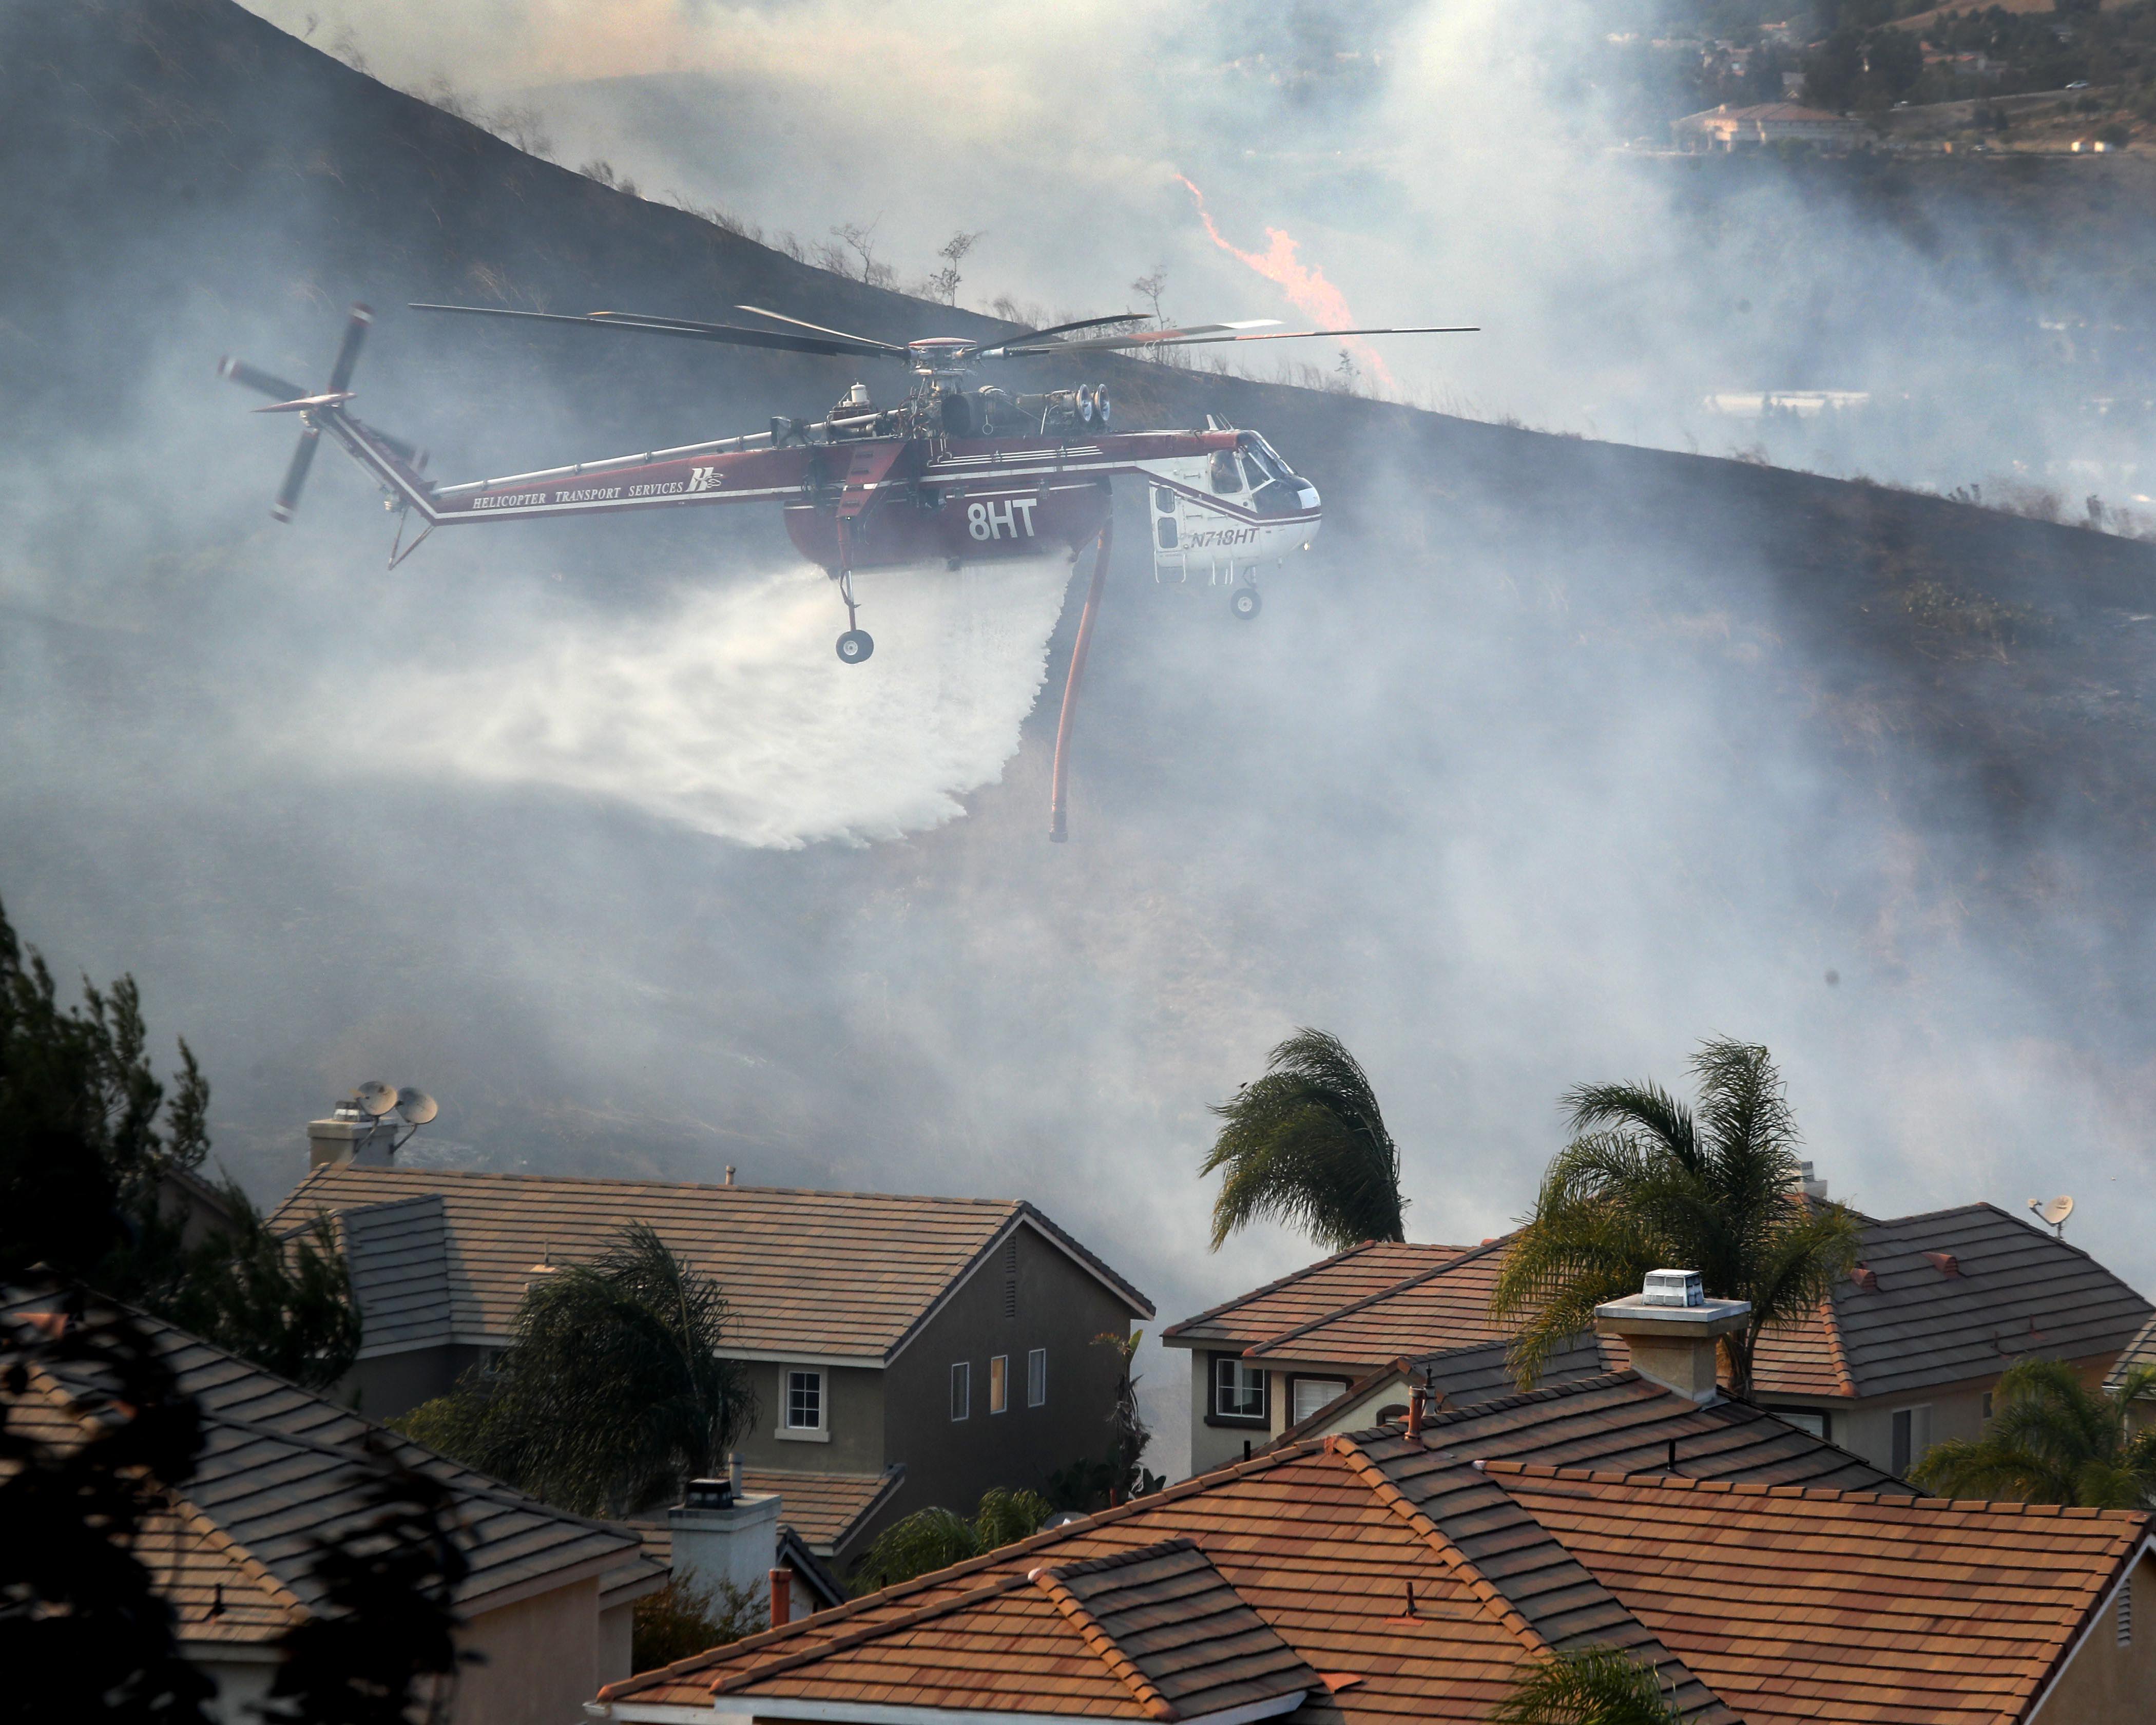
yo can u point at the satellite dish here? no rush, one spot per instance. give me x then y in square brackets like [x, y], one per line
[416, 1105]
[375, 1097]
[2053, 1211]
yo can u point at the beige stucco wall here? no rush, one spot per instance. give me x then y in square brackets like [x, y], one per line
[542, 1660]
[853, 1436]
[617, 1628]
[2104, 1683]
[1215, 1445]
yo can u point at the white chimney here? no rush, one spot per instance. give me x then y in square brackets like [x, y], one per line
[1814, 1186]
[721, 1535]
[1673, 1331]
[349, 1135]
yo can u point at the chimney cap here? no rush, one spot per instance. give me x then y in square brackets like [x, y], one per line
[708, 1494]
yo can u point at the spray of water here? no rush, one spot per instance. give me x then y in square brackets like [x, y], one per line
[728, 712]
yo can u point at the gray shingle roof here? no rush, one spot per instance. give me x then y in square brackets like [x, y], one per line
[2016, 1290]
[829, 1273]
[282, 1467]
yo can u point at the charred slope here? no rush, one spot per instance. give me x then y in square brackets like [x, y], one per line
[1984, 674]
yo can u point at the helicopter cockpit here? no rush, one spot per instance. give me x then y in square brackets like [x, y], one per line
[1255, 468]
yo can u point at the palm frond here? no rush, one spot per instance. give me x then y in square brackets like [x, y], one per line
[1641, 1107]
[1586, 1685]
[1307, 1145]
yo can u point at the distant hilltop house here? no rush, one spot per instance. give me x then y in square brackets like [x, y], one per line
[232, 1551]
[1726, 128]
[903, 1352]
[1905, 1353]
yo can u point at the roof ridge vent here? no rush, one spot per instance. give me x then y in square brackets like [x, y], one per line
[1945, 1263]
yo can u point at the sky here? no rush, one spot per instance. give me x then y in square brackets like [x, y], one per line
[597, 841]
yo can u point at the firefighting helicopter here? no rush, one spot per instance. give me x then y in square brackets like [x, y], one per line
[948, 473]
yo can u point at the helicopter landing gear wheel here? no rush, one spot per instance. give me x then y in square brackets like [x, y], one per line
[855, 645]
[1246, 603]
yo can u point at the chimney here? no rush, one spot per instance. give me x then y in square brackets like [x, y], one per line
[1417, 1404]
[1814, 1186]
[1673, 1331]
[349, 1134]
[723, 1535]
[782, 1598]
[734, 1472]
[730, 1173]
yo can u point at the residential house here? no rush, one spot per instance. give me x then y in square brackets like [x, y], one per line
[546, 1604]
[1905, 1353]
[1726, 128]
[902, 1352]
[1385, 1575]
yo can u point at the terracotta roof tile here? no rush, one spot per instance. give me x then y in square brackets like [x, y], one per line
[1313, 1292]
[282, 1467]
[439, 1255]
[1887, 1607]
[2015, 1290]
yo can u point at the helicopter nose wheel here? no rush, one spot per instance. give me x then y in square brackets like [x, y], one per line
[1246, 603]
[855, 645]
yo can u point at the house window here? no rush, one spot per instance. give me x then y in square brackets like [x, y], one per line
[1306, 1395]
[1912, 1436]
[804, 1401]
[1239, 1390]
[999, 1383]
[962, 1391]
[1036, 1379]
[1987, 1404]
[1812, 1419]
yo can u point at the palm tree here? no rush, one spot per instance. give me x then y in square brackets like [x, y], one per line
[1307, 1145]
[2053, 1440]
[1646, 1184]
[611, 1393]
[1592, 1686]
[935, 1537]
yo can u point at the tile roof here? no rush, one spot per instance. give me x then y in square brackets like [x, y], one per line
[442, 1255]
[1416, 1576]
[1950, 1295]
[2141, 1351]
[282, 1467]
[2017, 1291]
[1889, 1608]
[823, 1509]
[1322, 1287]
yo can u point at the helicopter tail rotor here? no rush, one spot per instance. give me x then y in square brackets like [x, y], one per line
[291, 398]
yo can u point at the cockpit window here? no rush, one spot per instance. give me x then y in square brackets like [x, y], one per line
[1226, 480]
[1264, 465]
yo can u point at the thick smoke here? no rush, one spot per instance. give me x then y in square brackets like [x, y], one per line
[544, 822]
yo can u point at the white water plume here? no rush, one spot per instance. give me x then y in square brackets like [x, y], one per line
[730, 713]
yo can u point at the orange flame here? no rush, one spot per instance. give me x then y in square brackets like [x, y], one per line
[1307, 288]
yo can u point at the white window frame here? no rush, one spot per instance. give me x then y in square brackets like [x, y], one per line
[1036, 1378]
[1338, 1386]
[787, 1431]
[999, 1383]
[1264, 1391]
[962, 1391]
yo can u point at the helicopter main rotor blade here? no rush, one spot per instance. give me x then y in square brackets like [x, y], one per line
[731, 334]
[347, 356]
[1136, 338]
[295, 475]
[248, 377]
[869, 342]
[998, 349]
[1179, 338]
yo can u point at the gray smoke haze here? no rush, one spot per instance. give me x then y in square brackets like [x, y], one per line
[1450, 162]
[591, 835]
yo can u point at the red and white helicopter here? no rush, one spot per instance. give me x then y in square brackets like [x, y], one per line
[948, 474]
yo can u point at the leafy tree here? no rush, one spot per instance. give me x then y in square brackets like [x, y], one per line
[386, 1638]
[1646, 1184]
[611, 1393]
[2052, 1439]
[935, 1537]
[682, 1619]
[90, 1142]
[1307, 1145]
[83, 1631]
[1590, 1685]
